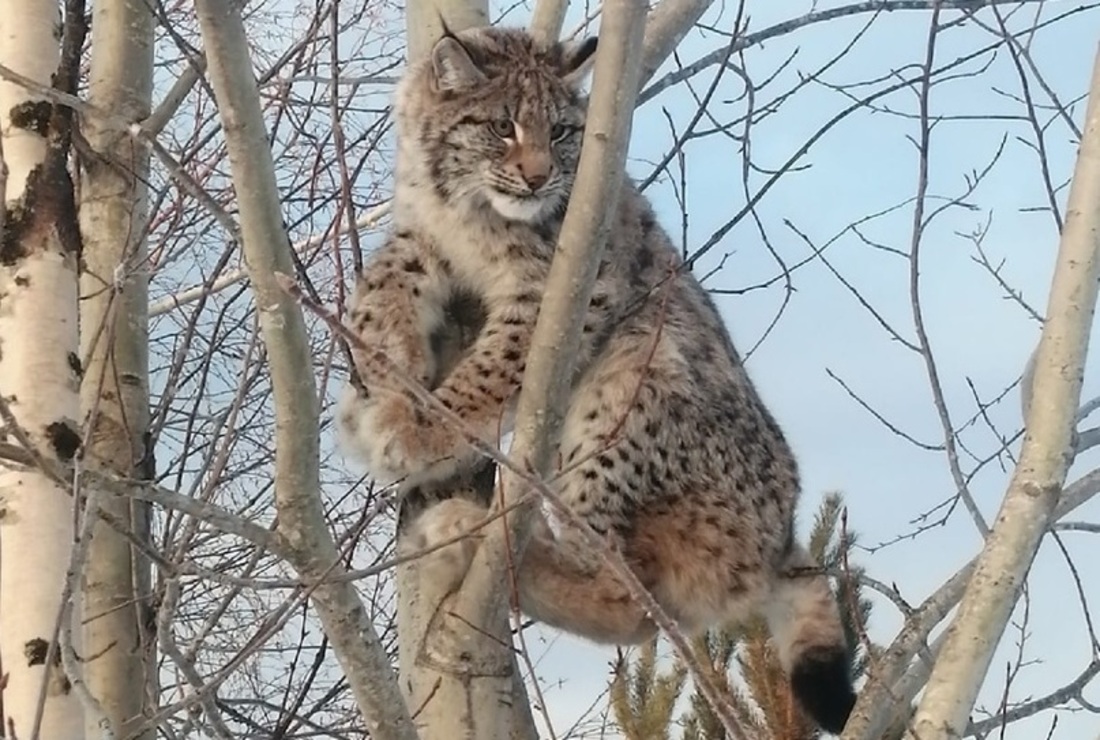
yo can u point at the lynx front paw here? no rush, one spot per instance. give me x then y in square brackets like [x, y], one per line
[395, 440]
[453, 519]
[352, 405]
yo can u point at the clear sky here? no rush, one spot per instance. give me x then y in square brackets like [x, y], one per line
[980, 339]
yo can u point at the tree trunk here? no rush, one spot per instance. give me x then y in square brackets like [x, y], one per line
[39, 378]
[424, 21]
[120, 665]
[1045, 457]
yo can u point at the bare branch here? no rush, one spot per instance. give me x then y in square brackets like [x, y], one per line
[232, 277]
[666, 27]
[818, 16]
[892, 686]
[297, 495]
[1066, 693]
[568, 289]
[1034, 491]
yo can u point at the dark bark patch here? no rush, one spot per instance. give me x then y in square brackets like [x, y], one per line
[46, 205]
[147, 465]
[36, 651]
[64, 439]
[12, 248]
[32, 115]
[74, 365]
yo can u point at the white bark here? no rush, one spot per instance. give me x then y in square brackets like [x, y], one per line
[547, 19]
[120, 666]
[424, 21]
[302, 526]
[38, 336]
[666, 27]
[29, 47]
[1044, 459]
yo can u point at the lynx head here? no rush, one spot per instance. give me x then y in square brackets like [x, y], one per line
[496, 119]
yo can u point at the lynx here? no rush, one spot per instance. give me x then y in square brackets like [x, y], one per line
[666, 451]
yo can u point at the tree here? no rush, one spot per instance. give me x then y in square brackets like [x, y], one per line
[1046, 453]
[304, 538]
[39, 373]
[119, 633]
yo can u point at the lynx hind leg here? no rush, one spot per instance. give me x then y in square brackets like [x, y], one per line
[564, 587]
[804, 619]
[443, 522]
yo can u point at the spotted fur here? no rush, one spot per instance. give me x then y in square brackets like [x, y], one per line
[666, 450]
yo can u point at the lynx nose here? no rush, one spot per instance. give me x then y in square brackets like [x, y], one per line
[530, 160]
[534, 175]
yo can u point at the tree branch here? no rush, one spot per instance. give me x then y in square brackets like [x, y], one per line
[1070, 691]
[666, 27]
[820, 16]
[297, 488]
[568, 288]
[893, 683]
[195, 292]
[1033, 493]
[547, 19]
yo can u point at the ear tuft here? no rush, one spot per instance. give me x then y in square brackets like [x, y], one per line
[452, 67]
[577, 61]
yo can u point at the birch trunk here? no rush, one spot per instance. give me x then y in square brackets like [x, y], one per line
[120, 666]
[424, 21]
[39, 379]
[1045, 458]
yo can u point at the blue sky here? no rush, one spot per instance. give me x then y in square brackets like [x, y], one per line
[866, 164]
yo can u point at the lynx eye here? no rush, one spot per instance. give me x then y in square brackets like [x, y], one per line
[503, 127]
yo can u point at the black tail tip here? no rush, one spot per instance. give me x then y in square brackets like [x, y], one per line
[822, 683]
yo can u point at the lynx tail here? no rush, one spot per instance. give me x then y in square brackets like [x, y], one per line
[805, 624]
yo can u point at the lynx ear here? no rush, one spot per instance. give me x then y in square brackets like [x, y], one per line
[577, 61]
[452, 66]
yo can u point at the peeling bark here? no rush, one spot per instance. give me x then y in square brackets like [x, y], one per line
[39, 253]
